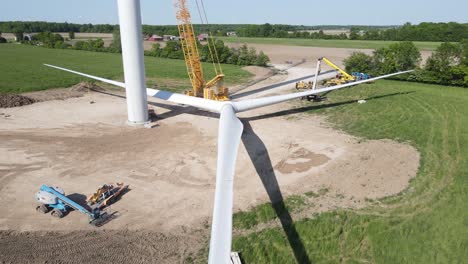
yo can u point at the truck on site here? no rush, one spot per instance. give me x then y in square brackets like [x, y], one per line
[53, 199]
[105, 195]
[341, 77]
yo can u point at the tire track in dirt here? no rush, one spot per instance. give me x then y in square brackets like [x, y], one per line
[97, 247]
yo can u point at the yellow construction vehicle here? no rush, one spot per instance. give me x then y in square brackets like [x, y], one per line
[301, 85]
[213, 89]
[105, 195]
[341, 78]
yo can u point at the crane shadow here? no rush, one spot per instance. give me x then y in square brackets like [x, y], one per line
[260, 158]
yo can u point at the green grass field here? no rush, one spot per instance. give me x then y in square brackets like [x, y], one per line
[354, 44]
[22, 69]
[427, 223]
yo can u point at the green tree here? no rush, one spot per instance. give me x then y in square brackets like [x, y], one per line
[262, 59]
[358, 62]
[442, 63]
[116, 45]
[354, 34]
[19, 35]
[81, 45]
[71, 35]
[464, 47]
[446, 56]
[399, 56]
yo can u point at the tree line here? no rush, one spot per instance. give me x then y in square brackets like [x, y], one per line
[443, 32]
[242, 56]
[448, 65]
[450, 32]
[173, 49]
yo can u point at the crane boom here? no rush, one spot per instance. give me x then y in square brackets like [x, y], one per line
[334, 66]
[189, 47]
[212, 89]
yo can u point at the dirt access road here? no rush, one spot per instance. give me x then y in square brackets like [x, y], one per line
[171, 172]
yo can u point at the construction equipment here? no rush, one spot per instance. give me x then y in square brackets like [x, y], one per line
[213, 89]
[301, 85]
[235, 258]
[105, 195]
[361, 76]
[54, 199]
[311, 85]
[341, 78]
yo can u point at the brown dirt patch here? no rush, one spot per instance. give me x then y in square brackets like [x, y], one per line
[77, 90]
[14, 100]
[301, 160]
[97, 247]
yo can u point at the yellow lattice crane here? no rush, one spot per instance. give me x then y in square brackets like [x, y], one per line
[213, 89]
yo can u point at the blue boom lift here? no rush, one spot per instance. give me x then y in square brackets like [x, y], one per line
[54, 199]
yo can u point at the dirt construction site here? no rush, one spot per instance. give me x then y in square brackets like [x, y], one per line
[79, 140]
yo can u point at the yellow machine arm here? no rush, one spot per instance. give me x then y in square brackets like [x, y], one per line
[189, 47]
[214, 89]
[334, 66]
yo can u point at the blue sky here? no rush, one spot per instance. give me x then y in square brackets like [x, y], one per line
[299, 12]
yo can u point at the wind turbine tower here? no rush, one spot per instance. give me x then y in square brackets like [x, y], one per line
[134, 65]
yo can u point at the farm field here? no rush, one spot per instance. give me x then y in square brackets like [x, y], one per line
[22, 69]
[426, 223]
[354, 44]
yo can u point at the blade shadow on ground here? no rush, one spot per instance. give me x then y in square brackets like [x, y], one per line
[173, 110]
[319, 106]
[260, 158]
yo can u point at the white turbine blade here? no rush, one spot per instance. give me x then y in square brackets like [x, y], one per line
[249, 104]
[230, 131]
[202, 103]
[116, 83]
[167, 96]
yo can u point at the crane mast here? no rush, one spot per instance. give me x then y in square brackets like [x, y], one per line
[212, 89]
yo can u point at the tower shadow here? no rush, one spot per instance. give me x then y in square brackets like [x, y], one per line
[260, 158]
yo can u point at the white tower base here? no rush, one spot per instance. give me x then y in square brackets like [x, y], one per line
[133, 62]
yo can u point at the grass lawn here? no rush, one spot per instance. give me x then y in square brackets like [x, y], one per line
[427, 223]
[328, 43]
[22, 69]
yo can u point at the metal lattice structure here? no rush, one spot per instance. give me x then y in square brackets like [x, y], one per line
[213, 89]
[189, 47]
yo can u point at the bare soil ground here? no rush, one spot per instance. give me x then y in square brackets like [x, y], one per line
[279, 54]
[171, 172]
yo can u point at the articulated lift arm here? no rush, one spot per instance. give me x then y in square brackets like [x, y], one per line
[334, 66]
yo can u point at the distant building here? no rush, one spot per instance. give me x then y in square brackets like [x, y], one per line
[28, 37]
[156, 38]
[203, 37]
[169, 37]
[231, 34]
